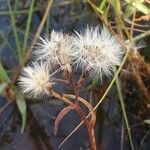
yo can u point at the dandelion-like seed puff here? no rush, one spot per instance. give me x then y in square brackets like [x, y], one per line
[96, 52]
[36, 80]
[55, 50]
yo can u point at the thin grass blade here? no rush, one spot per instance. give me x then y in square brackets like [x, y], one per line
[21, 104]
[28, 26]
[12, 18]
[3, 74]
[2, 87]
[124, 111]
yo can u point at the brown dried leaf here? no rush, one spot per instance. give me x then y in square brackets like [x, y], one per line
[62, 113]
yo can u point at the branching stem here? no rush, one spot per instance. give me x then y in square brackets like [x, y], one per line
[81, 114]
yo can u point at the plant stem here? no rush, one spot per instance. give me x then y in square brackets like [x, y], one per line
[103, 97]
[85, 102]
[75, 88]
[81, 114]
[90, 130]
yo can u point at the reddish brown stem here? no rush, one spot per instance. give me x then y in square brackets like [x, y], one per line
[90, 130]
[61, 81]
[92, 139]
[76, 87]
[88, 105]
[81, 114]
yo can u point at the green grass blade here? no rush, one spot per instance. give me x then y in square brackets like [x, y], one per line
[139, 6]
[3, 74]
[28, 26]
[12, 18]
[101, 6]
[124, 111]
[117, 6]
[130, 10]
[26, 11]
[2, 87]
[47, 24]
[5, 40]
[21, 104]
[147, 121]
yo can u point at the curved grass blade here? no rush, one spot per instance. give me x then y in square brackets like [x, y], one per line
[2, 87]
[124, 111]
[3, 74]
[21, 104]
[139, 6]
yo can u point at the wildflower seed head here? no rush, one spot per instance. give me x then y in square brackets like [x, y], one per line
[35, 80]
[55, 50]
[96, 52]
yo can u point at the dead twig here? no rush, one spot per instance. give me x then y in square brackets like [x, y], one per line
[140, 68]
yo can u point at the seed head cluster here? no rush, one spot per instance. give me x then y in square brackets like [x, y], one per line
[95, 51]
[55, 50]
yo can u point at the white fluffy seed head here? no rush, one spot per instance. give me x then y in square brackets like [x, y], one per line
[96, 52]
[35, 80]
[55, 50]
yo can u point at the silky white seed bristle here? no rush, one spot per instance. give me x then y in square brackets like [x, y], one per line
[36, 80]
[55, 50]
[96, 52]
